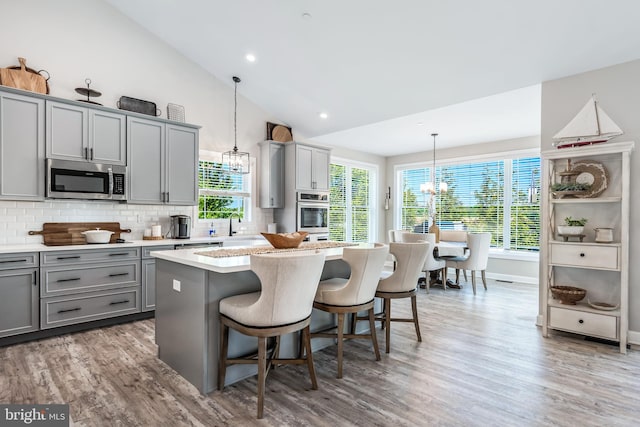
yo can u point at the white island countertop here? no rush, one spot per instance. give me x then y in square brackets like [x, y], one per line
[39, 247]
[230, 264]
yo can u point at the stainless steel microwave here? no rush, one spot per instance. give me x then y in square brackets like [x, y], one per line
[68, 179]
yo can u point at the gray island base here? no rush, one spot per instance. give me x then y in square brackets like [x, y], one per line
[189, 288]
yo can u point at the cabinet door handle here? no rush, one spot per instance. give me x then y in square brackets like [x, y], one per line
[91, 155]
[118, 274]
[70, 309]
[167, 197]
[67, 280]
[124, 301]
[68, 257]
[119, 254]
[86, 153]
[163, 197]
[580, 321]
[582, 254]
[272, 201]
[13, 260]
[35, 279]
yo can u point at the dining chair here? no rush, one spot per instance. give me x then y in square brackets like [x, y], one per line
[342, 296]
[430, 263]
[402, 283]
[478, 244]
[282, 306]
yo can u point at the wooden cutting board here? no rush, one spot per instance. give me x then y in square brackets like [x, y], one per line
[23, 78]
[70, 233]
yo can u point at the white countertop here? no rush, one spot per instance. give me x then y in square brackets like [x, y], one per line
[39, 247]
[231, 264]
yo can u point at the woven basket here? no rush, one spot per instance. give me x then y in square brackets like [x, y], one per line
[285, 240]
[568, 294]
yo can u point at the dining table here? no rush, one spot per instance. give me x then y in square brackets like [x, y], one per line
[446, 250]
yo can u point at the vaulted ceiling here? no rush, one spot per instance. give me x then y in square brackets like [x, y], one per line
[389, 73]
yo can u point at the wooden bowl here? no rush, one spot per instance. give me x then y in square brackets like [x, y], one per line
[568, 294]
[285, 240]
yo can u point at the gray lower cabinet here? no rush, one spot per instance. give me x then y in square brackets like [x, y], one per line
[85, 134]
[19, 294]
[163, 161]
[22, 130]
[84, 285]
[149, 276]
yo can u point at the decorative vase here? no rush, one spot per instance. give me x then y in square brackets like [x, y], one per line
[435, 230]
[570, 230]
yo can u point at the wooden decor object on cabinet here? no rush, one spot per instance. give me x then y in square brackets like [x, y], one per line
[271, 174]
[22, 146]
[600, 268]
[85, 134]
[163, 163]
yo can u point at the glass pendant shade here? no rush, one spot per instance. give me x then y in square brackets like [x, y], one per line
[234, 161]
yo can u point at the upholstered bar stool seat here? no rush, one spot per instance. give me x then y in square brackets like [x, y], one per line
[348, 296]
[284, 304]
[478, 244]
[430, 263]
[402, 283]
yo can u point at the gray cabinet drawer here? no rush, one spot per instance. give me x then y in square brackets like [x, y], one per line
[11, 261]
[88, 255]
[146, 250]
[580, 322]
[75, 279]
[67, 310]
[586, 256]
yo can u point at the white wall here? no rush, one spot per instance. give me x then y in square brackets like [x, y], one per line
[618, 92]
[501, 266]
[74, 40]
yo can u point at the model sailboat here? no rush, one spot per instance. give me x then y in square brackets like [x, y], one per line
[590, 126]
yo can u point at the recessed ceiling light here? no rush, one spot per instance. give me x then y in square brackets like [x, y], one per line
[324, 115]
[420, 123]
[306, 16]
[251, 57]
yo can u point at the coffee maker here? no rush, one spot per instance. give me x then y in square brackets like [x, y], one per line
[180, 226]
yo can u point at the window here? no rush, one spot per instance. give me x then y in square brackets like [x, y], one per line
[352, 215]
[221, 194]
[498, 196]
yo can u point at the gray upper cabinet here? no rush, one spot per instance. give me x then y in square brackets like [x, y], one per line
[182, 165]
[22, 147]
[162, 163]
[271, 174]
[312, 167]
[80, 133]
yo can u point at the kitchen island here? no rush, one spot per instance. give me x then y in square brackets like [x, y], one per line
[189, 287]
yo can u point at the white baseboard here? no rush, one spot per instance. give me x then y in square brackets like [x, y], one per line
[634, 337]
[512, 278]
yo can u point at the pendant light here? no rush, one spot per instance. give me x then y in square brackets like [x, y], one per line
[430, 186]
[234, 161]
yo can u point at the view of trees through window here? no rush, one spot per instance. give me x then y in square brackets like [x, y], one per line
[221, 194]
[350, 214]
[500, 197]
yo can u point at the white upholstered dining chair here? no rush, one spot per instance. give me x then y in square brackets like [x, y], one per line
[430, 263]
[478, 244]
[282, 306]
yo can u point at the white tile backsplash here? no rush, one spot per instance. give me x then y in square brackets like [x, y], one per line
[18, 218]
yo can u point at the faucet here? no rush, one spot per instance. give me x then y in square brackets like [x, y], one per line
[231, 223]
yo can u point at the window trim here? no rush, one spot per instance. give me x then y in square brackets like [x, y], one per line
[250, 195]
[480, 158]
[374, 218]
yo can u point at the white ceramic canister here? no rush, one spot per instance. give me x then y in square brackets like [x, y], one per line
[156, 231]
[604, 235]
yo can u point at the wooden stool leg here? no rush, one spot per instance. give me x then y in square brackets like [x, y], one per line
[374, 338]
[414, 308]
[387, 323]
[428, 280]
[307, 344]
[262, 371]
[484, 279]
[340, 342]
[473, 281]
[458, 276]
[354, 316]
[222, 362]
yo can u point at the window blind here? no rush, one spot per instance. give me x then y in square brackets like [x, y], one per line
[220, 193]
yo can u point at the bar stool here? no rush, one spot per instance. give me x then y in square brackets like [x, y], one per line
[346, 296]
[283, 306]
[402, 283]
[430, 263]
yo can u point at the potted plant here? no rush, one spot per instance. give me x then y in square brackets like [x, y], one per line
[572, 226]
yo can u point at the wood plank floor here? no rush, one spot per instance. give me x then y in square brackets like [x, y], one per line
[482, 362]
